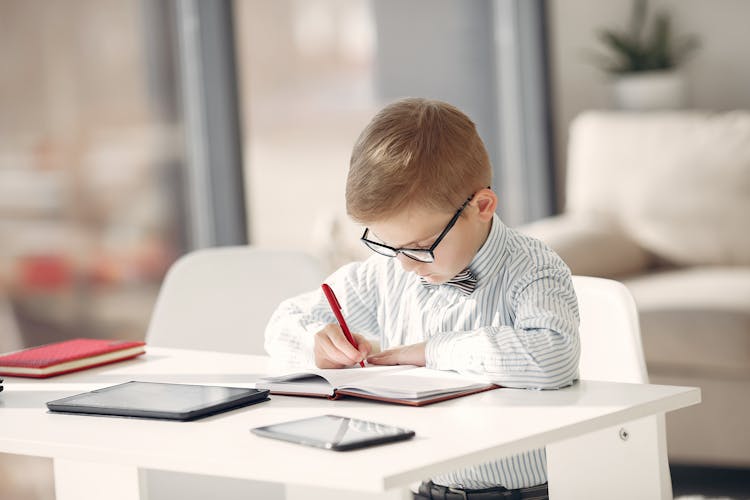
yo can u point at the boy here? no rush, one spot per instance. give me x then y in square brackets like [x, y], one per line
[460, 290]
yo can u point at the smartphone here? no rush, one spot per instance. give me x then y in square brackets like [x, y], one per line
[333, 432]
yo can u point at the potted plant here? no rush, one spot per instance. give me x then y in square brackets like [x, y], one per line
[645, 63]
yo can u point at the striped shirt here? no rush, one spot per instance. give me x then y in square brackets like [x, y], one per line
[519, 328]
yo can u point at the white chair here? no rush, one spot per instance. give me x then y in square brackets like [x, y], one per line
[220, 299]
[611, 350]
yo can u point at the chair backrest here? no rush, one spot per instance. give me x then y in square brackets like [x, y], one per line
[611, 346]
[220, 299]
[611, 350]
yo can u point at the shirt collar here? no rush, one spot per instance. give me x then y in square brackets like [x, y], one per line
[490, 258]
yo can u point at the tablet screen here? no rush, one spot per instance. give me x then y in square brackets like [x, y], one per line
[158, 400]
[334, 432]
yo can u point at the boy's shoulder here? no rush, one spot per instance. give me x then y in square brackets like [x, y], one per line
[524, 247]
[531, 259]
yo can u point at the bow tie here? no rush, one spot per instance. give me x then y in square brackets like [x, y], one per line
[465, 281]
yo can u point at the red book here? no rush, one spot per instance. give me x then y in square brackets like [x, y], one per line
[67, 356]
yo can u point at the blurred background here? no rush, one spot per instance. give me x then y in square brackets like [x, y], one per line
[135, 131]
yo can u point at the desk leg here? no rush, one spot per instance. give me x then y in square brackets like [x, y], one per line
[78, 480]
[622, 462]
[296, 492]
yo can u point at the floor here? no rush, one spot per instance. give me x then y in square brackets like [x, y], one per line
[692, 481]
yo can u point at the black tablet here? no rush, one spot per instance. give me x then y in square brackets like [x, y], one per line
[159, 400]
[334, 433]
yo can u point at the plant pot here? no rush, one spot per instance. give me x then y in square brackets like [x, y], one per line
[649, 90]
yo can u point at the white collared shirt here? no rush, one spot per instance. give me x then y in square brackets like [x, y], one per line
[519, 328]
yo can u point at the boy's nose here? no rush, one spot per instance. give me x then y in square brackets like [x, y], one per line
[408, 264]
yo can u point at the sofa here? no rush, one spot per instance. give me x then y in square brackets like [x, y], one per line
[661, 202]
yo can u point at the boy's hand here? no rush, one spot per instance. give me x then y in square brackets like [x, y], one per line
[406, 355]
[332, 350]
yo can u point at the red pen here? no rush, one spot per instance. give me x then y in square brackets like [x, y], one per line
[336, 308]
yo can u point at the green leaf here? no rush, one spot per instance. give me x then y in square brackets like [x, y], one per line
[606, 63]
[628, 51]
[638, 18]
[659, 54]
[631, 51]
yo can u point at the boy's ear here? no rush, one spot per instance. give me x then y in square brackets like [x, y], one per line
[486, 202]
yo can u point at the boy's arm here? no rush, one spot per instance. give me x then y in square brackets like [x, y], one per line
[290, 333]
[540, 350]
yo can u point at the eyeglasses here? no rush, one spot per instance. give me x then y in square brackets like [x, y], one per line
[426, 255]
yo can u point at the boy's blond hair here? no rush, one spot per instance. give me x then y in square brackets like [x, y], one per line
[415, 152]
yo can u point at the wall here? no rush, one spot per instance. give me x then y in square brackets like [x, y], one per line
[312, 75]
[718, 74]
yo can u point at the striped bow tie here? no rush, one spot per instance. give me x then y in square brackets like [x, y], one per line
[465, 281]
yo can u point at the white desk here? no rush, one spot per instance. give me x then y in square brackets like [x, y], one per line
[110, 451]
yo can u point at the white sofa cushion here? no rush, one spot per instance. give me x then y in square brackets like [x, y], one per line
[678, 183]
[695, 320]
[590, 246]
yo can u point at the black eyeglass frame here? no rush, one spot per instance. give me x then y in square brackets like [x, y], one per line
[390, 251]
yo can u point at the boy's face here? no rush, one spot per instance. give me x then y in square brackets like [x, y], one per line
[419, 227]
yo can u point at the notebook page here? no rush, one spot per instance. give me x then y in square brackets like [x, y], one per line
[306, 384]
[415, 383]
[328, 378]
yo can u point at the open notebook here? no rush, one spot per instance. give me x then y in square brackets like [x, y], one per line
[409, 385]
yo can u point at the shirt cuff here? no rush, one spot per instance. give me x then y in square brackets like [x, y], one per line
[438, 352]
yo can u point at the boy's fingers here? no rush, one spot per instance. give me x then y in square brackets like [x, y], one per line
[339, 341]
[335, 336]
[365, 348]
[383, 358]
[333, 348]
[323, 362]
[322, 359]
[330, 351]
[379, 361]
[333, 353]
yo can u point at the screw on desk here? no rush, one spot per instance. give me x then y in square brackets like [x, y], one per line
[624, 434]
